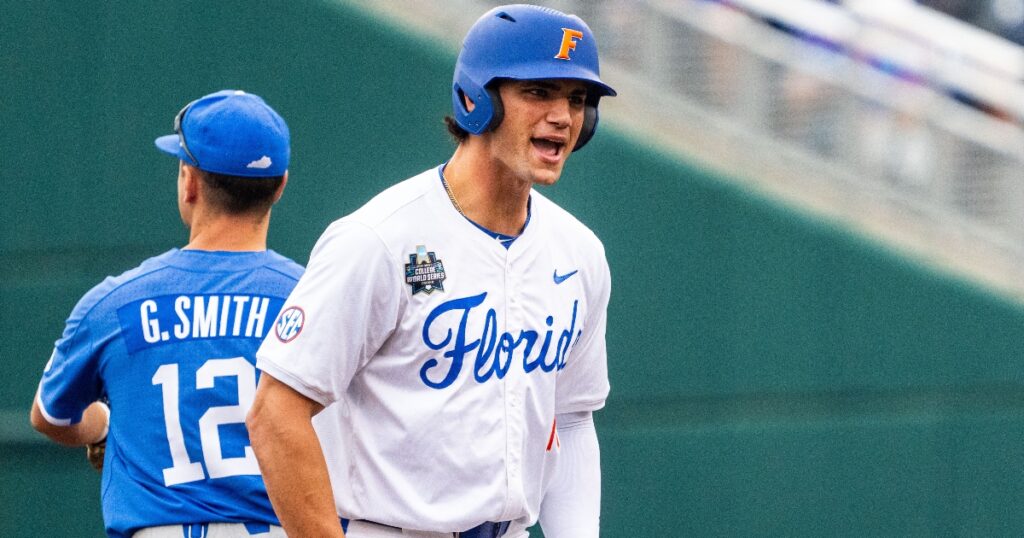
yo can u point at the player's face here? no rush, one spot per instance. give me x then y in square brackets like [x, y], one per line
[542, 121]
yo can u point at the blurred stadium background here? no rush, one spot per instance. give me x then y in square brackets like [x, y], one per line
[812, 210]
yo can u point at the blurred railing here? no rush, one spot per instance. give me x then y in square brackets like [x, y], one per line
[901, 122]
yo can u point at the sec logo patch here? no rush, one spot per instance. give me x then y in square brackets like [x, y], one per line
[289, 324]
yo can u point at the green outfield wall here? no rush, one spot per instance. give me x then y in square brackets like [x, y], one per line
[772, 373]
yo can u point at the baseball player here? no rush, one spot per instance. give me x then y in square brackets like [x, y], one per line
[171, 344]
[434, 372]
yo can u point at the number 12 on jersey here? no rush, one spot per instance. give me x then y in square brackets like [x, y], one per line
[184, 470]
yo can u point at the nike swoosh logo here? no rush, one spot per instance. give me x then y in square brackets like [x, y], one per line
[562, 278]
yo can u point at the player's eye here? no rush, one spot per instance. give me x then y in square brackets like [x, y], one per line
[577, 99]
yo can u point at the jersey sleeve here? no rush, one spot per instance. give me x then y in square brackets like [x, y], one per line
[341, 311]
[71, 379]
[583, 379]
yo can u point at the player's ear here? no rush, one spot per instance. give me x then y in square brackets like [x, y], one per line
[190, 181]
[280, 188]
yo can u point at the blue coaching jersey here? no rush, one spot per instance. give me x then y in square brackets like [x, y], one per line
[172, 345]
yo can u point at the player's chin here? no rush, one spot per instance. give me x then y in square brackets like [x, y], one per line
[546, 176]
[547, 173]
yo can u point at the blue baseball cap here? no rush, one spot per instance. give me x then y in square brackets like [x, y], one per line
[230, 132]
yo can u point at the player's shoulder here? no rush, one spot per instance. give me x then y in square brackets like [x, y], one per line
[574, 239]
[564, 226]
[394, 201]
[284, 265]
[366, 229]
[98, 298]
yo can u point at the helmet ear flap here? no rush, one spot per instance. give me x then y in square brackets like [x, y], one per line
[477, 120]
[497, 108]
[589, 124]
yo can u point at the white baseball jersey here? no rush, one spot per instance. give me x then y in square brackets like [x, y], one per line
[443, 357]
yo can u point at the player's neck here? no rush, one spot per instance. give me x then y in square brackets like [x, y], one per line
[487, 196]
[227, 233]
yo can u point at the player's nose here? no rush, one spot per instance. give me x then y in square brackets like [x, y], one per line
[560, 113]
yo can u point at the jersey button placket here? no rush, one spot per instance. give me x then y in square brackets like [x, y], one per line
[515, 456]
[508, 391]
[505, 392]
[513, 389]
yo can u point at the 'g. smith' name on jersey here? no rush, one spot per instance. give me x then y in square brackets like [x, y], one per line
[174, 318]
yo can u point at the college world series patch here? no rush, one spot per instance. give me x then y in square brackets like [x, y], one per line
[424, 272]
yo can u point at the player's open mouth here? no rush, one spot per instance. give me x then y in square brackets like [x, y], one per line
[549, 149]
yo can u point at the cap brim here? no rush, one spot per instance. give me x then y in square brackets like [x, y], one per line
[604, 89]
[170, 144]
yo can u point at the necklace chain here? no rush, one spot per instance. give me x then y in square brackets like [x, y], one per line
[451, 196]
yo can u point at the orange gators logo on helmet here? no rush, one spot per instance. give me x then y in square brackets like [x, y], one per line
[569, 38]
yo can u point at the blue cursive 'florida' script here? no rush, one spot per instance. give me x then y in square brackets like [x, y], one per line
[494, 351]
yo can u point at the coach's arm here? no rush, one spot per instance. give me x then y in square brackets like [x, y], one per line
[281, 431]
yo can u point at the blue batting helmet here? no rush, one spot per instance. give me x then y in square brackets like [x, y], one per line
[524, 42]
